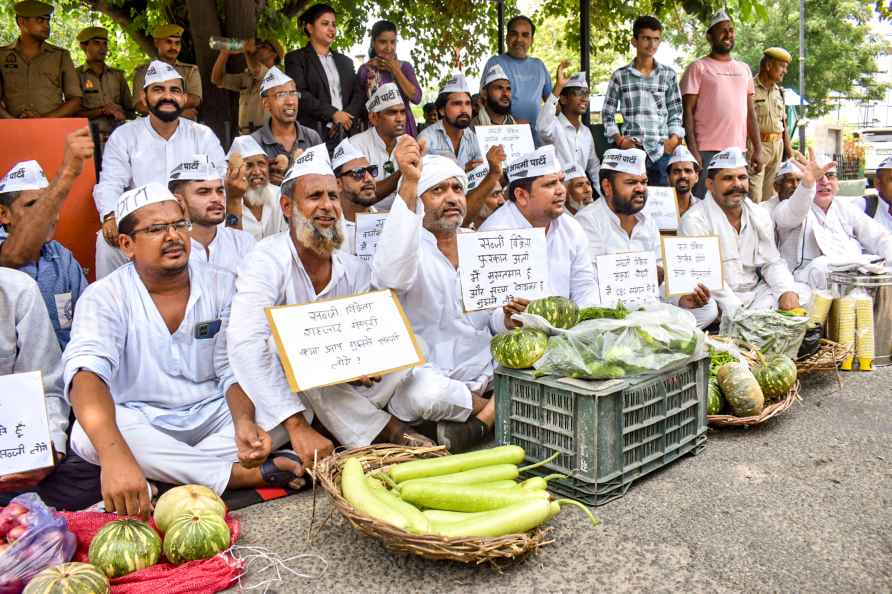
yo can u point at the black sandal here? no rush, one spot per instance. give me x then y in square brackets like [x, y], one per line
[273, 476]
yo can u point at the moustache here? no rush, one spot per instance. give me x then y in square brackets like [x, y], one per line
[168, 102]
[172, 245]
[734, 191]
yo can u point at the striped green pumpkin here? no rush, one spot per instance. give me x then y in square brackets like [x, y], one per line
[195, 535]
[518, 349]
[124, 546]
[69, 578]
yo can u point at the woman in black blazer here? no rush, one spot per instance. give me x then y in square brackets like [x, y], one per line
[333, 115]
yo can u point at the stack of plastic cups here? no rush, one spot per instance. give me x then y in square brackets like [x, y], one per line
[819, 308]
[864, 343]
[842, 326]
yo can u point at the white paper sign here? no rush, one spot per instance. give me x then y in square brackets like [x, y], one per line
[25, 442]
[630, 277]
[339, 340]
[368, 231]
[516, 139]
[662, 207]
[497, 266]
[691, 261]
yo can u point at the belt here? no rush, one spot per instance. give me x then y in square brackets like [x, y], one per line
[769, 136]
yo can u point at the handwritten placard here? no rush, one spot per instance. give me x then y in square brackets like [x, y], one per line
[368, 231]
[630, 277]
[497, 266]
[662, 207]
[516, 139]
[25, 442]
[333, 341]
[691, 261]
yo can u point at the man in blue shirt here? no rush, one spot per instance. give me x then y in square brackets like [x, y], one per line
[529, 78]
[29, 212]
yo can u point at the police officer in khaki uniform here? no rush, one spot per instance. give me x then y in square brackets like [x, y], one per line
[107, 100]
[37, 79]
[771, 113]
[260, 56]
[168, 42]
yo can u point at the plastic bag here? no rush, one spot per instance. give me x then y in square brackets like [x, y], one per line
[769, 331]
[646, 341]
[46, 541]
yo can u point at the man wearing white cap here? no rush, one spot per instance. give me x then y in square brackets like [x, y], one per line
[496, 95]
[817, 231]
[146, 150]
[252, 201]
[198, 183]
[452, 136]
[536, 198]
[717, 93]
[566, 131]
[579, 189]
[421, 264]
[356, 187]
[683, 172]
[786, 182]
[490, 197]
[879, 206]
[147, 370]
[755, 274]
[29, 212]
[387, 114]
[304, 265]
[282, 134]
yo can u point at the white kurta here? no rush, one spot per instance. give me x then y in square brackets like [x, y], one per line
[226, 249]
[881, 216]
[605, 235]
[373, 147]
[168, 387]
[455, 342]
[572, 144]
[271, 221]
[349, 245]
[570, 271]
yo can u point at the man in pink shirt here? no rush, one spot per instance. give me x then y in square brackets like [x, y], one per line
[717, 93]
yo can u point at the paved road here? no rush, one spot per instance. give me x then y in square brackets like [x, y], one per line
[801, 504]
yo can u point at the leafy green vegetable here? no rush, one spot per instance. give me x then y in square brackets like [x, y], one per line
[595, 313]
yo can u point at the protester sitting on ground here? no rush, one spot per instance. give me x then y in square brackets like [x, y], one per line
[683, 172]
[452, 136]
[579, 189]
[617, 223]
[146, 150]
[818, 230]
[198, 184]
[168, 43]
[306, 265]
[384, 67]
[571, 138]
[252, 201]
[786, 181]
[421, 264]
[491, 200]
[755, 274]
[878, 206]
[496, 96]
[29, 213]
[147, 370]
[356, 188]
[107, 100]
[536, 197]
[260, 56]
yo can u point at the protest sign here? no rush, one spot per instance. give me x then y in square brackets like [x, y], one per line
[662, 207]
[368, 231]
[339, 340]
[516, 139]
[691, 261]
[497, 266]
[630, 277]
[25, 442]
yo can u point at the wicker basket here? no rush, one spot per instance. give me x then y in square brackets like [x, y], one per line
[827, 358]
[493, 551]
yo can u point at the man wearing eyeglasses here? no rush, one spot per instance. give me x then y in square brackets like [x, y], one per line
[147, 370]
[816, 230]
[37, 79]
[147, 150]
[570, 136]
[356, 187]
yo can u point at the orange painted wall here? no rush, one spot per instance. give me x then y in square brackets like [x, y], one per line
[44, 141]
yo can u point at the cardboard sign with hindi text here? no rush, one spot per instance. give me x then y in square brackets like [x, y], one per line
[368, 231]
[516, 139]
[662, 207]
[497, 266]
[630, 277]
[334, 341]
[25, 442]
[691, 261]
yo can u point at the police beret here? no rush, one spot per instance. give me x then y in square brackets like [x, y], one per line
[33, 8]
[167, 30]
[778, 53]
[92, 33]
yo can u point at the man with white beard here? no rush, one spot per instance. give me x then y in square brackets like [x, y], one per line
[305, 265]
[579, 189]
[356, 187]
[252, 202]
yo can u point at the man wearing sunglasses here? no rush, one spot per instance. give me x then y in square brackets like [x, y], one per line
[815, 229]
[147, 370]
[356, 187]
[387, 114]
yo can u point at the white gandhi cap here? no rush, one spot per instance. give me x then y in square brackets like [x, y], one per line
[132, 200]
[26, 175]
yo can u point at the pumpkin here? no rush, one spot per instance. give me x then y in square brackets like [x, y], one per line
[183, 499]
[197, 535]
[520, 348]
[741, 390]
[560, 312]
[776, 376]
[715, 402]
[124, 546]
[69, 578]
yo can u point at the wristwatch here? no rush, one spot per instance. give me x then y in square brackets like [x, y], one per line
[232, 220]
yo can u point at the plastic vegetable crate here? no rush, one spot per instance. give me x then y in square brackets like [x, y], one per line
[608, 433]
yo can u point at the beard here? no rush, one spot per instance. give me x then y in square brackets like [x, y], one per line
[439, 223]
[320, 241]
[625, 206]
[365, 197]
[259, 196]
[461, 122]
[683, 186]
[721, 49]
[497, 108]
[166, 116]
